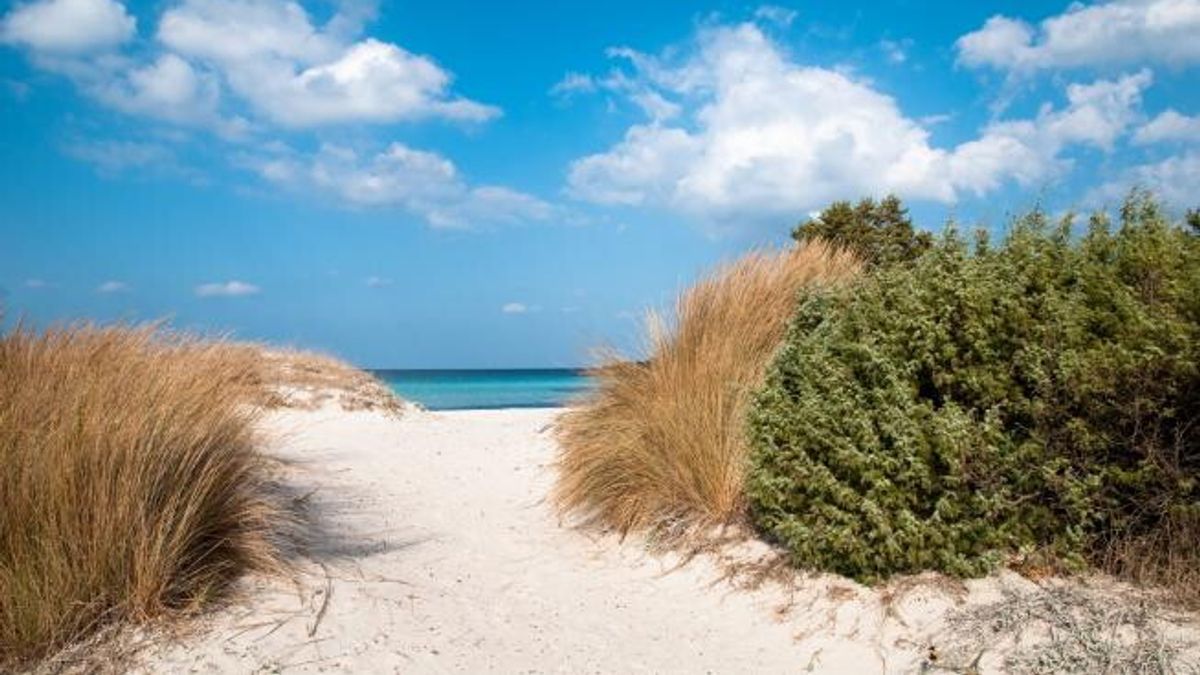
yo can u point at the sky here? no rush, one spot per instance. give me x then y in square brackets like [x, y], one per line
[466, 184]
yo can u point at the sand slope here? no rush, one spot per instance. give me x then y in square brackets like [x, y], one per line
[442, 557]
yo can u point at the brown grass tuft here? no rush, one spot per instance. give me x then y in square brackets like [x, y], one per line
[131, 488]
[661, 444]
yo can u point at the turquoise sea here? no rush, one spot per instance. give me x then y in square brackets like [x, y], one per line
[475, 389]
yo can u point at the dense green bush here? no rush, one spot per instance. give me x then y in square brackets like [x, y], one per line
[1041, 397]
[879, 233]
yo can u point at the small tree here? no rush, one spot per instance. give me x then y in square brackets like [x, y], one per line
[880, 233]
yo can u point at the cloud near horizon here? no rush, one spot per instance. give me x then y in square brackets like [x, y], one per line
[113, 286]
[226, 289]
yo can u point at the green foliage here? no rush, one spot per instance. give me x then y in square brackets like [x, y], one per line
[880, 233]
[1040, 396]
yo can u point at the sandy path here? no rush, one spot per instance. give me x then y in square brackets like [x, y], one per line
[445, 559]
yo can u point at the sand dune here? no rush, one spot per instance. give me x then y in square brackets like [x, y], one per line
[441, 556]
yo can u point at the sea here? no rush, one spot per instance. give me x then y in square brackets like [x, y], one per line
[488, 389]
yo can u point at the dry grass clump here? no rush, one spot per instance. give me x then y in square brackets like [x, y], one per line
[131, 488]
[661, 443]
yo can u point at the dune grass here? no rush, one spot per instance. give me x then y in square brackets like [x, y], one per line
[131, 489]
[661, 444]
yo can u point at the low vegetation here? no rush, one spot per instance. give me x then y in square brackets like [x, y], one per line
[662, 443]
[1033, 401]
[132, 489]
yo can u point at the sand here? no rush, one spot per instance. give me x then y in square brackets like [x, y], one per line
[440, 555]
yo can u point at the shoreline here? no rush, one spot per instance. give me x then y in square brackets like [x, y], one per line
[519, 408]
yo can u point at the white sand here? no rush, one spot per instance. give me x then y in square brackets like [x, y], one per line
[442, 557]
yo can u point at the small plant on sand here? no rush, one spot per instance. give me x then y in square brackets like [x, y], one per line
[131, 488]
[1039, 397]
[662, 442]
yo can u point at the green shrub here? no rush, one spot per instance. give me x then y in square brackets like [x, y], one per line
[1041, 396]
[879, 233]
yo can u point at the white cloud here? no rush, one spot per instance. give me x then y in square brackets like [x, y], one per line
[244, 68]
[231, 31]
[765, 136]
[573, 83]
[279, 65]
[229, 289]
[423, 183]
[168, 88]
[297, 74]
[1173, 179]
[113, 287]
[68, 26]
[1169, 126]
[1097, 113]
[1112, 33]
[514, 308]
[782, 16]
[36, 284]
[378, 282]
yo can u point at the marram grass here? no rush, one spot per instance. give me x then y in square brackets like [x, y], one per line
[661, 443]
[131, 488]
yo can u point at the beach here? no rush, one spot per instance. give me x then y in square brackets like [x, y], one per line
[438, 553]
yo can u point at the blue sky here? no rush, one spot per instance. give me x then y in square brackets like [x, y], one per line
[460, 184]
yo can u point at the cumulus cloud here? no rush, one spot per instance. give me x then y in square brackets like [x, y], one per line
[1170, 125]
[1112, 33]
[761, 135]
[279, 66]
[113, 286]
[298, 74]
[518, 308]
[168, 88]
[1173, 179]
[377, 282]
[247, 69]
[423, 183]
[229, 31]
[228, 289]
[68, 26]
